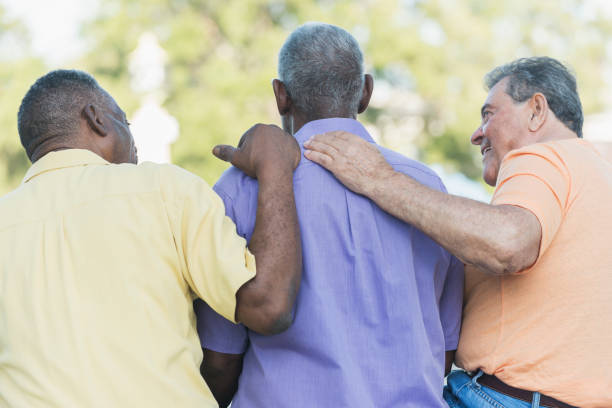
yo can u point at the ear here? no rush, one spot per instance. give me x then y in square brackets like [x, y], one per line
[283, 100]
[93, 116]
[538, 109]
[368, 87]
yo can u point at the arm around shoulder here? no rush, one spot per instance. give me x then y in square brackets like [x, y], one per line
[216, 264]
[497, 239]
[264, 303]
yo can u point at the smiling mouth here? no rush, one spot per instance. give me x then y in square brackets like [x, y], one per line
[485, 150]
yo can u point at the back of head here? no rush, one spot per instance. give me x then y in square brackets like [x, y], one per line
[547, 76]
[321, 66]
[51, 109]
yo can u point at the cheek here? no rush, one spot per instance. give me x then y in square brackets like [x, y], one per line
[128, 141]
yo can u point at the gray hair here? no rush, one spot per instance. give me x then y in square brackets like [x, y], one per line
[321, 66]
[51, 109]
[547, 76]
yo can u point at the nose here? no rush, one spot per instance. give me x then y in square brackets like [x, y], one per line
[477, 136]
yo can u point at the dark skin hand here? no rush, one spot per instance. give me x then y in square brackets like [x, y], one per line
[221, 372]
[448, 363]
[270, 155]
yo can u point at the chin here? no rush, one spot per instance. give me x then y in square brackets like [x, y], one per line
[490, 169]
[489, 179]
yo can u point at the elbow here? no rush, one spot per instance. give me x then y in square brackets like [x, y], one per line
[504, 264]
[267, 310]
[268, 319]
[275, 320]
[513, 253]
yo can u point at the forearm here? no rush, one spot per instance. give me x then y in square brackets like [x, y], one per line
[276, 245]
[491, 238]
[496, 239]
[221, 373]
[449, 359]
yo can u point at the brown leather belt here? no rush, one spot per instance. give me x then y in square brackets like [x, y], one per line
[496, 384]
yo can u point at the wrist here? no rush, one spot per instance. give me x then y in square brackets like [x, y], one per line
[380, 183]
[274, 173]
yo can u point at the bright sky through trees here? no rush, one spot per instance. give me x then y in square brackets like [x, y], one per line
[427, 56]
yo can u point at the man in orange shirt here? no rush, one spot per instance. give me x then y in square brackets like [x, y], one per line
[537, 324]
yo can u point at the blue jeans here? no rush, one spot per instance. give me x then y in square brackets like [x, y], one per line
[463, 391]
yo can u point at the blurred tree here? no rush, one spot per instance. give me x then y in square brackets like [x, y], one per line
[17, 72]
[428, 59]
[477, 35]
[223, 56]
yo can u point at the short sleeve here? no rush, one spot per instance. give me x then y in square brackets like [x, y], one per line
[451, 303]
[216, 260]
[217, 333]
[535, 178]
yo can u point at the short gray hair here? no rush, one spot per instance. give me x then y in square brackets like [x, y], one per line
[321, 66]
[548, 76]
[51, 109]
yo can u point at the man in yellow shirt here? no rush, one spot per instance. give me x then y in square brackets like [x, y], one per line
[100, 258]
[537, 318]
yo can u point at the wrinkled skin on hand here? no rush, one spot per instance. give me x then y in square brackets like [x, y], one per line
[262, 148]
[355, 162]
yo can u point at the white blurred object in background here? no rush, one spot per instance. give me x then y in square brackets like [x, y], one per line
[597, 129]
[154, 129]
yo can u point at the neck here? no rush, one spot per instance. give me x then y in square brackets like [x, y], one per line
[47, 146]
[54, 145]
[294, 122]
[556, 131]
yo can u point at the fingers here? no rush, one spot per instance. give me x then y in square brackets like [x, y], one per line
[249, 134]
[338, 137]
[224, 152]
[337, 140]
[242, 139]
[237, 157]
[342, 135]
[320, 158]
[321, 147]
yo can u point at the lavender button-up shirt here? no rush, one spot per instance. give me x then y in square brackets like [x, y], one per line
[378, 305]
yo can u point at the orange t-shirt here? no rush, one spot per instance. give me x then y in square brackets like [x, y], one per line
[549, 328]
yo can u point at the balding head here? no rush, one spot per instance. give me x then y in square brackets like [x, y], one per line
[51, 110]
[321, 67]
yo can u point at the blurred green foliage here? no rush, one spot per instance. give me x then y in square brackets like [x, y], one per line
[16, 74]
[222, 57]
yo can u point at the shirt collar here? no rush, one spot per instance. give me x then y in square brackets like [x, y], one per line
[61, 159]
[328, 125]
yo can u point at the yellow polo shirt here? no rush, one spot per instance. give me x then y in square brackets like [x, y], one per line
[99, 265]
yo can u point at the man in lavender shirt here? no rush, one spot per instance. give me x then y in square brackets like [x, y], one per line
[379, 307]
